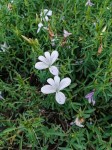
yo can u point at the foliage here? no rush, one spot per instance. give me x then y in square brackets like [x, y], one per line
[30, 120]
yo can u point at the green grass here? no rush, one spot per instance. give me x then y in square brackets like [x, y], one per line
[30, 120]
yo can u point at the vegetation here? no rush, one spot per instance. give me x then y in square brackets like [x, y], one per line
[31, 120]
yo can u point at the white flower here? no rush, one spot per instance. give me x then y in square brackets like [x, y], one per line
[88, 3]
[45, 14]
[53, 41]
[4, 47]
[66, 33]
[78, 122]
[44, 17]
[40, 25]
[55, 86]
[47, 62]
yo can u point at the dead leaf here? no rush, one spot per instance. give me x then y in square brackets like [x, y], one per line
[51, 34]
[63, 41]
[100, 49]
[82, 120]
[9, 6]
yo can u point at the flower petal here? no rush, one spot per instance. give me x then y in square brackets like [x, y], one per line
[49, 13]
[60, 98]
[66, 33]
[46, 18]
[89, 99]
[38, 30]
[89, 95]
[40, 25]
[57, 81]
[41, 65]
[47, 89]
[52, 42]
[48, 57]
[54, 70]
[54, 56]
[4, 47]
[93, 101]
[45, 11]
[43, 59]
[64, 83]
[51, 82]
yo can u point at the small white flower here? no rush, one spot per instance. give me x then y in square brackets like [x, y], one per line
[45, 14]
[55, 86]
[89, 3]
[1, 95]
[53, 41]
[66, 33]
[77, 122]
[47, 62]
[40, 25]
[4, 47]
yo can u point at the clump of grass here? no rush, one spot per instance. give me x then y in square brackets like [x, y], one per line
[28, 118]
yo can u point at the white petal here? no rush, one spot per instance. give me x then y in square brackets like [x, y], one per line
[60, 98]
[46, 18]
[45, 11]
[4, 47]
[52, 42]
[43, 59]
[66, 33]
[54, 70]
[38, 30]
[49, 13]
[54, 56]
[40, 25]
[41, 65]
[64, 83]
[80, 125]
[51, 82]
[57, 81]
[47, 55]
[47, 89]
